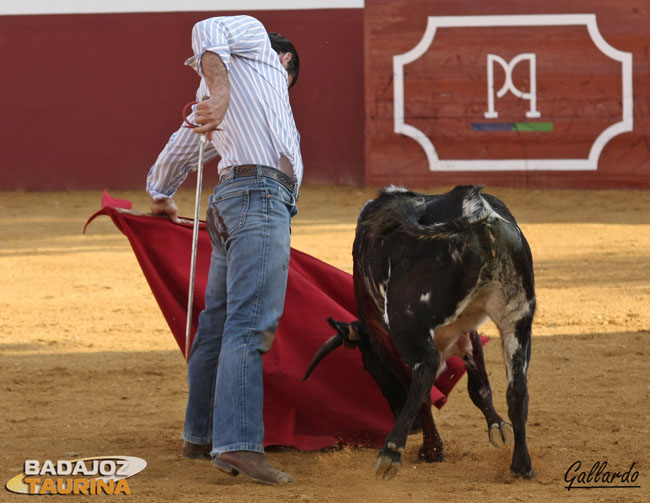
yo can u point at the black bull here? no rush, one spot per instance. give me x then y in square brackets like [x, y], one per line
[428, 270]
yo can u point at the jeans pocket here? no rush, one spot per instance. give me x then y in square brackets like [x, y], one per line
[284, 195]
[228, 213]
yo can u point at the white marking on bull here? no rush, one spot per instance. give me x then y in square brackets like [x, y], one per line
[386, 321]
[505, 311]
[510, 345]
[394, 189]
[372, 290]
[474, 208]
[425, 298]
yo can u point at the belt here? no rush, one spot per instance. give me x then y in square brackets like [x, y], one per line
[243, 170]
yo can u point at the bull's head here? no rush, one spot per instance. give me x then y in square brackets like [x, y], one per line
[355, 335]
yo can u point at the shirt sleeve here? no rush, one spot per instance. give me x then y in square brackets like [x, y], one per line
[243, 36]
[177, 159]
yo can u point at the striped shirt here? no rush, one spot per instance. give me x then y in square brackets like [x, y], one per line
[258, 127]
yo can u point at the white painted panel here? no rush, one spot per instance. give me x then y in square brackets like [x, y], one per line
[437, 164]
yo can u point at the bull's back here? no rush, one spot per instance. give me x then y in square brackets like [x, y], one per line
[462, 240]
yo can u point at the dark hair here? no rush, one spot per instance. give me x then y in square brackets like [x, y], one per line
[281, 44]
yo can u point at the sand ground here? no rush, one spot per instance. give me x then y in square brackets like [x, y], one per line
[89, 368]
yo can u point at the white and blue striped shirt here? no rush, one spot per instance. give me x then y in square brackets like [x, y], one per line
[258, 127]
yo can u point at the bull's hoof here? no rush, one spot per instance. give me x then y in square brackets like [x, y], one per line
[389, 461]
[434, 455]
[520, 466]
[525, 474]
[501, 435]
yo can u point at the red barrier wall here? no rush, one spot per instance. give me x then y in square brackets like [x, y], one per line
[88, 101]
[589, 127]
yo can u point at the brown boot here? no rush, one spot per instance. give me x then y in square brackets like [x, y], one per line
[253, 465]
[196, 451]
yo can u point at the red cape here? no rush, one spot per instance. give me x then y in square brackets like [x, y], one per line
[340, 402]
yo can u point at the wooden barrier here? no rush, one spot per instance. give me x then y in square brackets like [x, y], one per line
[88, 101]
[536, 94]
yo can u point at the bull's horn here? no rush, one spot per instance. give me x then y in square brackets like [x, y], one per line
[330, 345]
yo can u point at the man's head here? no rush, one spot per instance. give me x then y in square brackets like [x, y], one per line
[288, 56]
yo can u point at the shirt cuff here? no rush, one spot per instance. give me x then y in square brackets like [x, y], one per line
[157, 196]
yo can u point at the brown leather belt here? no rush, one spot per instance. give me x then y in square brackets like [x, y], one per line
[243, 170]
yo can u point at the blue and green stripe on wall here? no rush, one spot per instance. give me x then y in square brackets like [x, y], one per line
[521, 127]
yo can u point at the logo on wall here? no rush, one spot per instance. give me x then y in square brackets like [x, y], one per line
[508, 68]
[503, 93]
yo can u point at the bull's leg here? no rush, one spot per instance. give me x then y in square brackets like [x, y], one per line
[516, 352]
[478, 386]
[390, 456]
[391, 387]
[432, 448]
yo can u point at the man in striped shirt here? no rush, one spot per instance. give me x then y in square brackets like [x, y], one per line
[246, 73]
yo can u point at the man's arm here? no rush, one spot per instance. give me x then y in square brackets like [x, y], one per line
[214, 42]
[177, 159]
[210, 112]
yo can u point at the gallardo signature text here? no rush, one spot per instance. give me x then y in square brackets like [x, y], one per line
[599, 477]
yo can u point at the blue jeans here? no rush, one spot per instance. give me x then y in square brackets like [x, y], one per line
[249, 225]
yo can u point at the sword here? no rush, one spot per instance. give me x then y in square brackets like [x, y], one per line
[195, 241]
[195, 232]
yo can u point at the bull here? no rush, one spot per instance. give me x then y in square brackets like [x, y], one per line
[428, 271]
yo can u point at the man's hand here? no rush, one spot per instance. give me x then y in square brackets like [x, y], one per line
[165, 206]
[210, 112]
